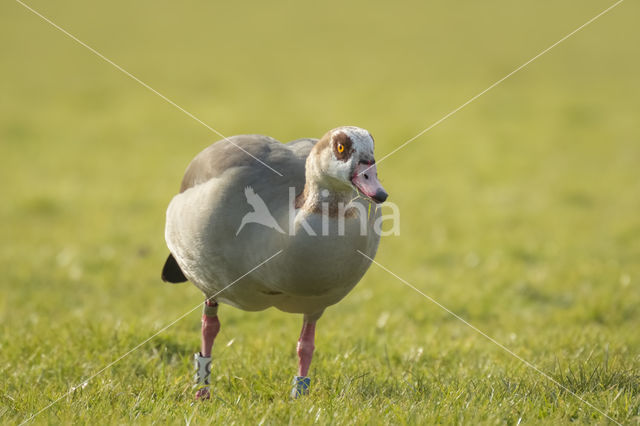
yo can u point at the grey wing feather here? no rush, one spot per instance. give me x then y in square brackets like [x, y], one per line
[234, 152]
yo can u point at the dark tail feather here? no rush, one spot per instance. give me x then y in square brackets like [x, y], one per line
[171, 273]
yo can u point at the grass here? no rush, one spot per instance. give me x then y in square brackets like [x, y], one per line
[519, 213]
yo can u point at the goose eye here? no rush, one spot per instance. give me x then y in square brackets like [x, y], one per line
[340, 148]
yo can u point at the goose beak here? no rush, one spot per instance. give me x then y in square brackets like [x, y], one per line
[365, 179]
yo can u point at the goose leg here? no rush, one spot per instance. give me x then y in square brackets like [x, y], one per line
[305, 352]
[210, 329]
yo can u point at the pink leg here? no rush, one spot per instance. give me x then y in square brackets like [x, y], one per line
[305, 353]
[306, 347]
[210, 329]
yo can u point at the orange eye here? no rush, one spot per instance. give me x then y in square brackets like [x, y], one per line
[340, 148]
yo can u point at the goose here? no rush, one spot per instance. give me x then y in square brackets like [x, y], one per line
[298, 240]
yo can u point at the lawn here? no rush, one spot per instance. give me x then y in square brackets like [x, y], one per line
[519, 213]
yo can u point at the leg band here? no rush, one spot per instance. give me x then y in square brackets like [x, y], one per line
[300, 386]
[203, 369]
[210, 308]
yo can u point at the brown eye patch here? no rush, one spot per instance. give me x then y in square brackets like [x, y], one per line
[342, 146]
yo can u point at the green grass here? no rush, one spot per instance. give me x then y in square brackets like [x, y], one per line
[519, 213]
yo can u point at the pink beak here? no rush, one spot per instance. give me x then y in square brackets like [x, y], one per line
[365, 178]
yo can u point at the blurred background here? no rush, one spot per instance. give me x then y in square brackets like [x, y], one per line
[519, 212]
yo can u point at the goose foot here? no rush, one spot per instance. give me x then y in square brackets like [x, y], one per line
[203, 394]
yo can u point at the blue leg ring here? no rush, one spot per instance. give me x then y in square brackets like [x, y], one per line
[300, 386]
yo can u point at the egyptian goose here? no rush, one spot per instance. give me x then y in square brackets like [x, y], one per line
[306, 227]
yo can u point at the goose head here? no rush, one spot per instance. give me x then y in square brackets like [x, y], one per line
[343, 161]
